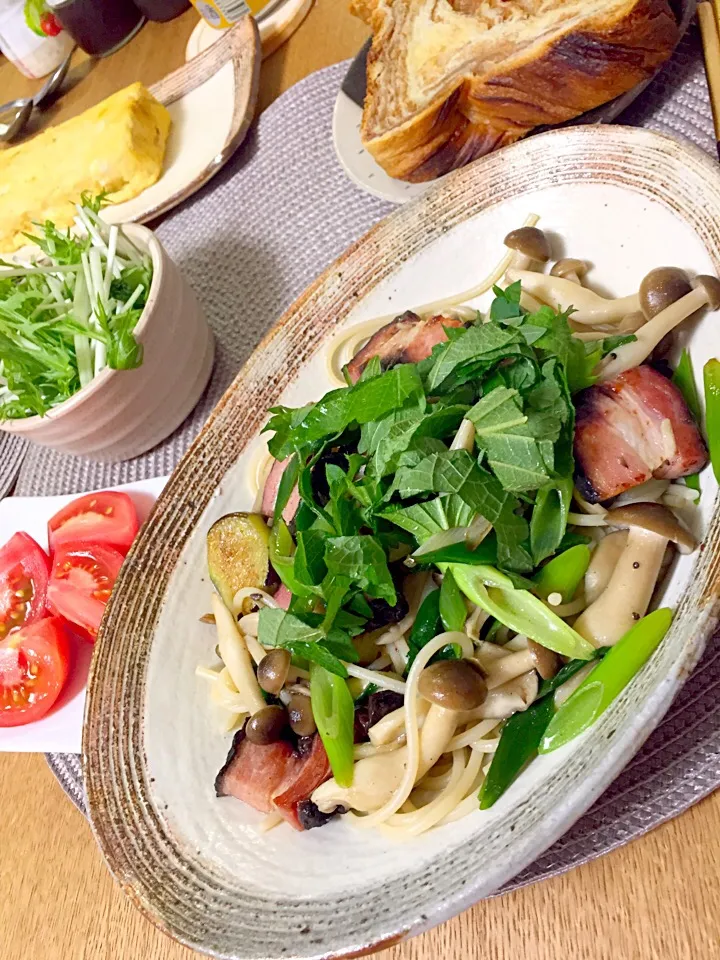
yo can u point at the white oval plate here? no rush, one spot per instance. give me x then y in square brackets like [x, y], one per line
[625, 199]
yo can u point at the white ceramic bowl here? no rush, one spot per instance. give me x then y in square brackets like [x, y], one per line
[122, 413]
[626, 200]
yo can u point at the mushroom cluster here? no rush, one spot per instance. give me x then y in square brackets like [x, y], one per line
[666, 298]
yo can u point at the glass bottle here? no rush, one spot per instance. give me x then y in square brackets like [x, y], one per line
[100, 27]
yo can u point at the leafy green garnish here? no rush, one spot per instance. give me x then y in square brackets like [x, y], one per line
[61, 319]
[377, 476]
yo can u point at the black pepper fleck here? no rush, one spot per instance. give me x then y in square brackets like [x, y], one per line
[613, 356]
[636, 616]
[636, 565]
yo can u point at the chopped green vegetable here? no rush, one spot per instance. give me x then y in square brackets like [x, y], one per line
[69, 316]
[520, 610]
[684, 380]
[563, 574]
[519, 742]
[428, 625]
[549, 518]
[334, 713]
[566, 672]
[452, 605]
[711, 377]
[286, 486]
[607, 680]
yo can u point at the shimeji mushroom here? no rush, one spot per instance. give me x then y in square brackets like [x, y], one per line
[529, 246]
[376, 778]
[451, 687]
[569, 269]
[705, 293]
[625, 599]
[588, 306]
[602, 563]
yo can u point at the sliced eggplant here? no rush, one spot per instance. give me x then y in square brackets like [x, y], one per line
[237, 551]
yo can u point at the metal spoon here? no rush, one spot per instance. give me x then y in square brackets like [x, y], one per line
[13, 118]
[53, 83]
[15, 115]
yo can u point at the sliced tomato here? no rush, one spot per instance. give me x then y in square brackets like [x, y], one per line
[82, 579]
[34, 664]
[108, 517]
[24, 570]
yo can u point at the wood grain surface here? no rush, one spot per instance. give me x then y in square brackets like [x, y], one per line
[654, 899]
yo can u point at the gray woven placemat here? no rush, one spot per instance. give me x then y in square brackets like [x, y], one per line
[249, 244]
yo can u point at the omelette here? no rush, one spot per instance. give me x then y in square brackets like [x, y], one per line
[117, 147]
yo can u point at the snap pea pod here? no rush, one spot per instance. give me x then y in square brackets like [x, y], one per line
[485, 552]
[452, 605]
[565, 673]
[684, 380]
[521, 735]
[563, 573]
[427, 625]
[518, 744]
[607, 680]
[711, 377]
[285, 487]
[282, 558]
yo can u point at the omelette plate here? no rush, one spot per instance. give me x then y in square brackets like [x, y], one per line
[211, 101]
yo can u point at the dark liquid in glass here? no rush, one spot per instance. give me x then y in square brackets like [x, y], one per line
[99, 26]
[162, 10]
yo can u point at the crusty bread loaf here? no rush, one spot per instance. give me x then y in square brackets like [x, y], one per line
[451, 80]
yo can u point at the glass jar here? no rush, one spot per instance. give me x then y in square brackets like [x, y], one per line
[31, 38]
[100, 27]
[162, 10]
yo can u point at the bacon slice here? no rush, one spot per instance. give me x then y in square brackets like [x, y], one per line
[406, 339]
[302, 776]
[630, 429]
[273, 777]
[270, 492]
[253, 773]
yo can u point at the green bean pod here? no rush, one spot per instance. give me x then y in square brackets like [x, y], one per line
[563, 574]
[711, 377]
[607, 680]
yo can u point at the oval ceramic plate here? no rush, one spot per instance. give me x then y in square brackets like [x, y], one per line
[362, 168]
[626, 200]
[211, 102]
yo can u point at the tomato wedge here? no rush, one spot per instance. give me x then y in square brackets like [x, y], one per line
[108, 517]
[24, 570]
[34, 663]
[82, 579]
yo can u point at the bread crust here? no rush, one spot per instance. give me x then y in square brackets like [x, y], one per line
[574, 73]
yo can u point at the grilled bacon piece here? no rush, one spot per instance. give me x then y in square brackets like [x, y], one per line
[273, 777]
[406, 339]
[630, 429]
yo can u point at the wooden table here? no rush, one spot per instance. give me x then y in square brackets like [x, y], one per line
[655, 899]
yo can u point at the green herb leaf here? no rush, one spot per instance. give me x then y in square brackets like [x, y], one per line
[363, 561]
